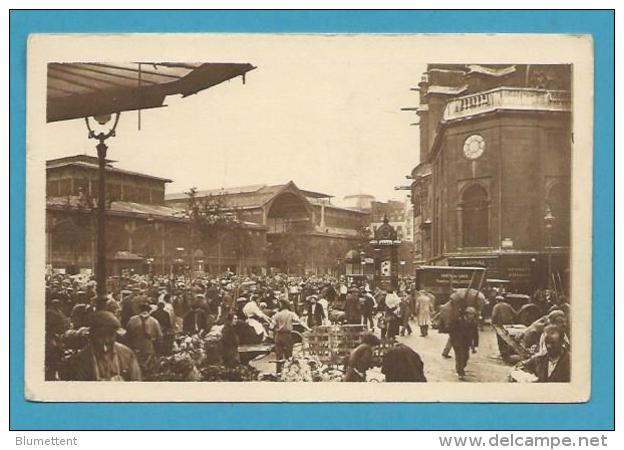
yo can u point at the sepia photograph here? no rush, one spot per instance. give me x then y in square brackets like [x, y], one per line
[309, 218]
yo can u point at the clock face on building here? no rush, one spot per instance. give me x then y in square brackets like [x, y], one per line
[474, 146]
[385, 233]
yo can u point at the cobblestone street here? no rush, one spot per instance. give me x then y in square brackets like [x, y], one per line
[483, 366]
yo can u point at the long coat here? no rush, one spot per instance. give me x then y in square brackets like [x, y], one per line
[352, 309]
[424, 308]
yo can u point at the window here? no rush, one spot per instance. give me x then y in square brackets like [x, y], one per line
[65, 187]
[113, 191]
[81, 184]
[53, 188]
[558, 201]
[475, 226]
[437, 227]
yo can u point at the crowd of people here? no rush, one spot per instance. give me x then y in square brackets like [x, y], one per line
[143, 314]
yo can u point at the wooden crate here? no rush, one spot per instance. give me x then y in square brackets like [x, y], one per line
[332, 344]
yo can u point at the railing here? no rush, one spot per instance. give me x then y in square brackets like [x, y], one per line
[525, 99]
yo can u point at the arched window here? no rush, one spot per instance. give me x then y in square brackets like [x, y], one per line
[558, 201]
[475, 226]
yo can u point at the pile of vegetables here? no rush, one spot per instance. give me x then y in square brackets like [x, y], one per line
[222, 373]
[306, 368]
[177, 367]
[198, 358]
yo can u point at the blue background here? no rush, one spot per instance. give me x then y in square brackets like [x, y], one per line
[596, 414]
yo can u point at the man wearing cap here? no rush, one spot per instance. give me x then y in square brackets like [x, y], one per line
[462, 334]
[104, 359]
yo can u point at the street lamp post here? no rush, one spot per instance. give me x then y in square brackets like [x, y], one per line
[100, 269]
[549, 219]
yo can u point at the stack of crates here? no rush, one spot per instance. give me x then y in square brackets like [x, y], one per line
[316, 342]
[344, 339]
[332, 344]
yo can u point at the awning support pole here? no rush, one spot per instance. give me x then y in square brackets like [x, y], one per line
[100, 267]
[101, 270]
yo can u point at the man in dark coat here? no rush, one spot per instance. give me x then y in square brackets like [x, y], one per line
[229, 342]
[166, 325]
[462, 334]
[163, 317]
[405, 314]
[402, 364]
[352, 308]
[316, 314]
[367, 306]
[554, 365]
[194, 321]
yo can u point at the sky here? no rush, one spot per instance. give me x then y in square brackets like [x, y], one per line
[324, 112]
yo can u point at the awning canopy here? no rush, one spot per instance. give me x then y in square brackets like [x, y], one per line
[77, 90]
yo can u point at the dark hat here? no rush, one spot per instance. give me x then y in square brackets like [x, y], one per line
[102, 320]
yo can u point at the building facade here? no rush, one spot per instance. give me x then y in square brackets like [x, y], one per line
[143, 235]
[305, 232]
[493, 184]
